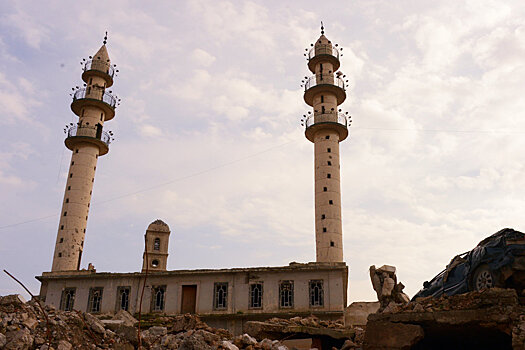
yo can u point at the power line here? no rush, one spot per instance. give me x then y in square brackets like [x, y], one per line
[161, 184]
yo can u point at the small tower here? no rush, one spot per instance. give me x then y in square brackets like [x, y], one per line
[88, 140]
[326, 127]
[157, 238]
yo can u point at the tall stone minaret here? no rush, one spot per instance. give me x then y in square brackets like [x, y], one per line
[87, 140]
[326, 127]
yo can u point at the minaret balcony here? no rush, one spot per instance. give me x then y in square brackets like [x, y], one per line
[93, 96]
[323, 52]
[324, 83]
[336, 121]
[89, 134]
[99, 68]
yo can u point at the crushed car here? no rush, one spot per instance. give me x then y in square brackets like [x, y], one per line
[497, 261]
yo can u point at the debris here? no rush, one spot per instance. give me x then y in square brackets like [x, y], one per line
[389, 292]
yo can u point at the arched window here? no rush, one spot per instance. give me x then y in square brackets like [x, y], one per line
[156, 244]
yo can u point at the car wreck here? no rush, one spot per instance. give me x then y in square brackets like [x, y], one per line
[497, 261]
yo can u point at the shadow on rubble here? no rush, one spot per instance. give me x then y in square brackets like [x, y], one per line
[463, 337]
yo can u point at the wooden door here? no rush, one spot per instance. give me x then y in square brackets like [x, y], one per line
[189, 299]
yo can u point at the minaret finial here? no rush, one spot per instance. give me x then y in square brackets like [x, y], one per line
[322, 28]
[105, 38]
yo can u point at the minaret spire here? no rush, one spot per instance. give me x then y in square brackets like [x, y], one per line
[105, 38]
[326, 127]
[88, 140]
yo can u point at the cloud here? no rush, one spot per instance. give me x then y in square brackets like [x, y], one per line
[202, 57]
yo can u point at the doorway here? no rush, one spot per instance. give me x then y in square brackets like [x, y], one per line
[189, 299]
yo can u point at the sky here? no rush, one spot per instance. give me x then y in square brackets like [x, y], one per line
[208, 135]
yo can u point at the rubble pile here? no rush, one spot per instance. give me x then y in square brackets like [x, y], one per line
[389, 291]
[488, 319]
[330, 334]
[23, 326]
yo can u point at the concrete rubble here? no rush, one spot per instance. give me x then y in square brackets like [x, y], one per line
[389, 292]
[23, 326]
[490, 319]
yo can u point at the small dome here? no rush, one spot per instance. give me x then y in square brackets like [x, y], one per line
[159, 225]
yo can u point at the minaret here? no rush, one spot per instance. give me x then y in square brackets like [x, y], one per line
[87, 140]
[326, 127]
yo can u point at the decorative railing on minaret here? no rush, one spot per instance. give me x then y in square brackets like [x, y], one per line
[326, 126]
[88, 140]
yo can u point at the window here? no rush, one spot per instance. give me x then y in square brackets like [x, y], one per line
[155, 263]
[316, 293]
[156, 244]
[327, 137]
[67, 200]
[328, 176]
[324, 229]
[328, 150]
[332, 244]
[70, 175]
[331, 202]
[322, 98]
[325, 189]
[286, 294]
[61, 239]
[67, 300]
[123, 298]
[157, 298]
[323, 217]
[101, 116]
[73, 163]
[61, 227]
[95, 299]
[76, 151]
[59, 255]
[65, 213]
[256, 294]
[329, 163]
[221, 296]
[68, 188]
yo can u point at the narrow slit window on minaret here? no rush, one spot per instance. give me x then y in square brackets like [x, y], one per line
[329, 163]
[61, 240]
[322, 98]
[73, 163]
[331, 202]
[322, 110]
[90, 81]
[321, 70]
[327, 137]
[101, 116]
[65, 213]
[61, 227]
[67, 200]
[324, 229]
[329, 150]
[325, 189]
[68, 188]
[332, 244]
[59, 255]
[76, 151]
[82, 113]
[70, 175]
[323, 217]
[328, 176]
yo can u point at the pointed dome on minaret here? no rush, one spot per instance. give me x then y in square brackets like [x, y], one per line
[102, 54]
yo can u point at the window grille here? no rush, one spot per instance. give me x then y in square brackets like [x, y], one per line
[123, 298]
[221, 296]
[286, 294]
[156, 244]
[95, 299]
[256, 295]
[158, 296]
[68, 299]
[316, 293]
